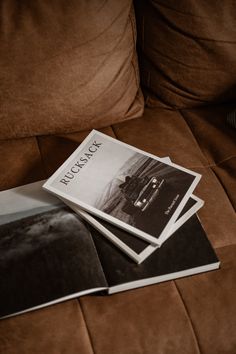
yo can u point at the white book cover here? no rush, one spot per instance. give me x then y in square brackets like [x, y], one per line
[125, 186]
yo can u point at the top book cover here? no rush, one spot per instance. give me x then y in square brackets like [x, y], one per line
[125, 186]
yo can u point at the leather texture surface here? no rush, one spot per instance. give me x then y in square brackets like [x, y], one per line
[66, 68]
[187, 51]
[56, 329]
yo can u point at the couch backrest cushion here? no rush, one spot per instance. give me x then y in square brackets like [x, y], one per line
[187, 50]
[66, 66]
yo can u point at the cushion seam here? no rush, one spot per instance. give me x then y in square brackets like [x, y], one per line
[222, 161]
[114, 131]
[210, 165]
[194, 138]
[204, 153]
[133, 62]
[215, 164]
[228, 196]
[189, 318]
[220, 247]
[41, 157]
[86, 326]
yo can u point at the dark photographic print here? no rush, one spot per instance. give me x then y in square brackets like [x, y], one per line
[140, 246]
[124, 185]
[187, 252]
[45, 257]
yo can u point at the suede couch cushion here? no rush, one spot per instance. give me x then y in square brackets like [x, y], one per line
[56, 329]
[187, 50]
[231, 119]
[217, 140]
[66, 66]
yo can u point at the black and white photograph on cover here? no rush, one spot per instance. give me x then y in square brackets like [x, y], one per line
[124, 185]
[144, 193]
[47, 254]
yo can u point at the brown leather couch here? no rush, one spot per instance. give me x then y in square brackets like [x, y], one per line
[66, 68]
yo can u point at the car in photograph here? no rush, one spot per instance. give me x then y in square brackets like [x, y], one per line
[140, 192]
[149, 192]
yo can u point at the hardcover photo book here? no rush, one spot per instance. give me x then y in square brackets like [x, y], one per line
[125, 186]
[49, 253]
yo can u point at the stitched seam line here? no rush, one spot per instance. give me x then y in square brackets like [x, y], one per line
[203, 151]
[196, 141]
[86, 325]
[228, 196]
[143, 33]
[133, 24]
[189, 318]
[211, 166]
[193, 136]
[135, 71]
[114, 131]
[41, 157]
[222, 161]
[134, 64]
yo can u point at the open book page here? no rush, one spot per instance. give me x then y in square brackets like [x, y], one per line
[125, 186]
[47, 253]
[187, 252]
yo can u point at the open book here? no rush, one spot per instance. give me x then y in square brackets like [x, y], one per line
[124, 186]
[48, 254]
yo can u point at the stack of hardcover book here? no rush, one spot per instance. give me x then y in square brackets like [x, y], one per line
[120, 218]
